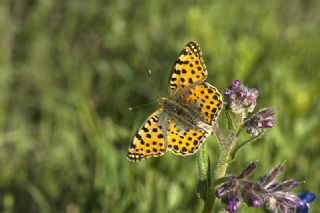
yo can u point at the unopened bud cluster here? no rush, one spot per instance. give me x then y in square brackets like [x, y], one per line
[240, 98]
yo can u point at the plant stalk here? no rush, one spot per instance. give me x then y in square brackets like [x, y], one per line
[223, 162]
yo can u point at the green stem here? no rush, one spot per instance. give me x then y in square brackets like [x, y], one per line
[209, 203]
[211, 198]
[223, 162]
[219, 173]
[224, 159]
[217, 132]
[230, 123]
[250, 140]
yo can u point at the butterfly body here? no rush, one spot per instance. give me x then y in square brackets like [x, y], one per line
[185, 114]
[185, 117]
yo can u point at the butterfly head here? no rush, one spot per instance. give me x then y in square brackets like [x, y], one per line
[169, 105]
[162, 101]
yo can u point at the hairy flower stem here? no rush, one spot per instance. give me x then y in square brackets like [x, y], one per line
[217, 132]
[226, 147]
[209, 201]
[230, 143]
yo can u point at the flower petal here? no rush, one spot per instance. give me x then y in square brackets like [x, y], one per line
[307, 197]
[302, 209]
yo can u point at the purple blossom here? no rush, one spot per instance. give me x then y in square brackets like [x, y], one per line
[220, 191]
[282, 202]
[248, 170]
[277, 195]
[234, 186]
[232, 204]
[271, 177]
[240, 98]
[279, 198]
[252, 198]
[256, 203]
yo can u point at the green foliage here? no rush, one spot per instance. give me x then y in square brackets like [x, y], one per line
[69, 71]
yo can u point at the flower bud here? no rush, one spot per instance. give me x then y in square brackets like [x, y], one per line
[220, 191]
[251, 198]
[232, 202]
[248, 170]
[255, 203]
[269, 178]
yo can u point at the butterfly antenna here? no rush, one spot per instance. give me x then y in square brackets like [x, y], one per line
[142, 105]
[147, 104]
[148, 76]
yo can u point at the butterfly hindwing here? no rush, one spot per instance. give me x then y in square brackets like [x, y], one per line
[189, 69]
[185, 141]
[148, 141]
[208, 100]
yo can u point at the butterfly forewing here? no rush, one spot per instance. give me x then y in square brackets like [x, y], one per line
[189, 69]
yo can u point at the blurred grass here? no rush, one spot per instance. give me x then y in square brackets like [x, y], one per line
[69, 70]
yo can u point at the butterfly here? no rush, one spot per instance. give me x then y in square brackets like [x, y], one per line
[186, 115]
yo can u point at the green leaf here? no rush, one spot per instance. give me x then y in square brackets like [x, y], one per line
[204, 171]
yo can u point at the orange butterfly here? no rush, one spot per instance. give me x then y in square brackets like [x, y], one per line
[185, 117]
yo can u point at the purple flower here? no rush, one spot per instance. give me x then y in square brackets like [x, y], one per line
[277, 195]
[248, 170]
[255, 202]
[234, 186]
[220, 191]
[305, 198]
[279, 198]
[232, 204]
[229, 194]
[260, 121]
[240, 98]
[272, 176]
[283, 202]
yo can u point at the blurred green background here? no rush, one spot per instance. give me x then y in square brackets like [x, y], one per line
[69, 71]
